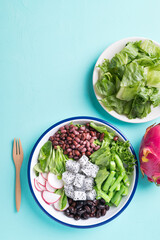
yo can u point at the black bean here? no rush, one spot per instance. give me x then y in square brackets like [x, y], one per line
[100, 206]
[90, 203]
[92, 215]
[88, 210]
[77, 217]
[98, 214]
[103, 212]
[70, 201]
[95, 202]
[71, 215]
[81, 212]
[85, 216]
[93, 209]
[73, 204]
[102, 201]
[107, 207]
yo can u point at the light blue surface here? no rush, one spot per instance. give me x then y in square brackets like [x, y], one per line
[47, 53]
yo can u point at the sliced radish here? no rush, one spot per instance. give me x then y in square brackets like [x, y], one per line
[44, 175]
[43, 188]
[41, 180]
[56, 206]
[36, 185]
[49, 197]
[49, 188]
[54, 181]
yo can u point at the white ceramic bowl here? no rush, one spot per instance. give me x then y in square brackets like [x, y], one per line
[109, 54]
[59, 216]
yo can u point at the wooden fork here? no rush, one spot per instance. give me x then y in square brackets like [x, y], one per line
[18, 158]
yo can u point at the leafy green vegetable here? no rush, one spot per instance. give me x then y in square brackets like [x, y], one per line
[129, 84]
[63, 199]
[45, 156]
[101, 177]
[57, 164]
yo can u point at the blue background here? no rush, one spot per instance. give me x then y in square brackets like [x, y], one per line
[47, 53]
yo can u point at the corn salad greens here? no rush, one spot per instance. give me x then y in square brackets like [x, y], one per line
[130, 83]
[116, 163]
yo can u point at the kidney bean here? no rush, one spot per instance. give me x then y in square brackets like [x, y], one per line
[88, 153]
[69, 138]
[81, 147]
[67, 146]
[61, 128]
[55, 143]
[84, 142]
[115, 138]
[77, 139]
[62, 136]
[103, 212]
[71, 130]
[73, 146]
[78, 145]
[69, 142]
[83, 150]
[77, 153]
[81, 142]
[93, 145]
[55, 147]
[76, 132]
[82, 128]
[97, 147]
[72, 135]
[66, 126]
[91, 141]
[76, 158]
[92, 133]
[90, 149]
[51, 138]
[65, 152]
[97, 134]
[61, 142]
[63, 131]
[101, 137]
[74, 142]
[69, 150]
[87, 144]
[63, 146]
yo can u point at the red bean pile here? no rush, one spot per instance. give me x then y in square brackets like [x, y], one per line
[76, 141]
[86, 209]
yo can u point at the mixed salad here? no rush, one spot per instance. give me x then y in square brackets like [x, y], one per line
[83, 170]
[130, 82]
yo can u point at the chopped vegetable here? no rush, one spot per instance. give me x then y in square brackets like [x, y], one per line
[128, 82]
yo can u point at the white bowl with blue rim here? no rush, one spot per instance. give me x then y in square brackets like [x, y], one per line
[60, 216]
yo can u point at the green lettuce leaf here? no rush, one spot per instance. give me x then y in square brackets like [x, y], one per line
[150, 48]
[45, 155]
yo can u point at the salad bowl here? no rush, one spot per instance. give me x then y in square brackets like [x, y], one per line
[109, 53]
[60, 216]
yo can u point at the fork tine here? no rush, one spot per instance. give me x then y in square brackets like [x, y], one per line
[17, 148]
[14, 147]
[20, 147]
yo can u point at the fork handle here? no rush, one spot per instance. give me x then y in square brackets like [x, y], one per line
[18, 190]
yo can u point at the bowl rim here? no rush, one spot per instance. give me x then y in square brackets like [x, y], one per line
[79, 118]
[113, 113]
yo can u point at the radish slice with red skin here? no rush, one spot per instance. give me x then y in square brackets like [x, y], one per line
[49, 197]
[41, 186]
[49, 188]
[45, 176]
[54, 181]
[37, 186]
[41, 180]
[56, 206]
